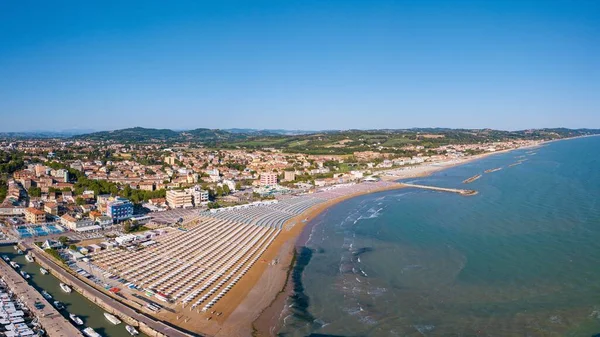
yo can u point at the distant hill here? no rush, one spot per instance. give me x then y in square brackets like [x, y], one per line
[137, 134]
[330, 141]
[45, 134]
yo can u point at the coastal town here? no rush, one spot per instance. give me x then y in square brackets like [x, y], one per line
[181, 235]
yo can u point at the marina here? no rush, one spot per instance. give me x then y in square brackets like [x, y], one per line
[76, 307]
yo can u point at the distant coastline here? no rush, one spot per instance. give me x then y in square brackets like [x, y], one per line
[266, 324]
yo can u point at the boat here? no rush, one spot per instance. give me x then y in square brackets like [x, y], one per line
[132, 331]
[76, 319]
[5, 258]
[29, 258]
[91, 333]
[65, 288]
[15, 247]
[58, 305]
[46, 295]
[44, 271]
[472, 179]
[19, 251]
[14, 264]
[112, 318]
[25, 275]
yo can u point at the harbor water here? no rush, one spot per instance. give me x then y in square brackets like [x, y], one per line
[75, 303]
[520, 258]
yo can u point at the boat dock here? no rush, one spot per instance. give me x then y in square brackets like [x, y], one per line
[442, 189]
[50, 319]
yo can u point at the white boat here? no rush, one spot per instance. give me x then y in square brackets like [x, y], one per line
[44, 271]
[58, 305]
[112, 318]
[76, 319]
[25, 275]
[29, 258]
[132, 331]
[5, 258]
[46, 295]
[91, 333]
[65, 288]
[14, 264]
[19, 251]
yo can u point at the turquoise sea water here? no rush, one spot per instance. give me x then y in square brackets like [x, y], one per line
[521, 258]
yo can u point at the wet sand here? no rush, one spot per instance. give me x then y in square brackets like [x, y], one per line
[275, 285]
[266, 323]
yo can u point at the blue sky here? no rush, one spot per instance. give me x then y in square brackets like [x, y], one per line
[299, 64]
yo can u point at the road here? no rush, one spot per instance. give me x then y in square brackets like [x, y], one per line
[115, 305]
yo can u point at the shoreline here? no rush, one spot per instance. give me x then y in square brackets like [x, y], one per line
[267, 322]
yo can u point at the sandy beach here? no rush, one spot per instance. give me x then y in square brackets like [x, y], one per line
[275, 283]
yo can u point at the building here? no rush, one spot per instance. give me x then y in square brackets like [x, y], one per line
[34, 215]
[170, 160]
[146, 186]
[179, 198]
[119, 209]
[268, 179]
[289, 175]
[51, 208]
[104, 221]
[199, 195]
[78, 225]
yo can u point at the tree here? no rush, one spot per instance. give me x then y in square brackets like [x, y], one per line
[126, 227]
[80, 201]
[238, 186]
[35, 192]
[73, 247]
[63, 240]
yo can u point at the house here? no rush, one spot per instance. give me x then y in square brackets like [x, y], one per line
[51, 208]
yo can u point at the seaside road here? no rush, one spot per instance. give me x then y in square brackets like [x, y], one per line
[50, 319]
[114, 304]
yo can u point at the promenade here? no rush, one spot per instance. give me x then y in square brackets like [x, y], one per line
[98, 297]
[50, 319]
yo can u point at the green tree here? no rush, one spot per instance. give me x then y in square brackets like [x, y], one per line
[226, 189]
[35, 192]
[80, 201]
[63, 240]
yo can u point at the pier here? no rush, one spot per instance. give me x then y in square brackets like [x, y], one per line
[442, 189]
[50, 319]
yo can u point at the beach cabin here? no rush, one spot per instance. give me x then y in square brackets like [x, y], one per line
[75, 255]
[94, 248]
[49, 244]
[106, 245]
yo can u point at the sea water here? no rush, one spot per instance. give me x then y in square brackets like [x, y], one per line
[520, 258]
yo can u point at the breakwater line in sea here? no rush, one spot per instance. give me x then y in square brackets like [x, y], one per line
[442, 189]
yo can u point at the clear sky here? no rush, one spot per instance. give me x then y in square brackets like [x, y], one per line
[299, 64]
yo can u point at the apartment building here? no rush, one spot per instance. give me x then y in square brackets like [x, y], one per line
[35, 216]
[179, 199]
[268, 179]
